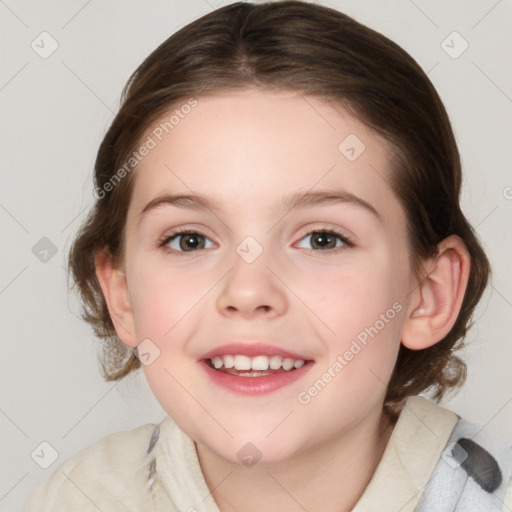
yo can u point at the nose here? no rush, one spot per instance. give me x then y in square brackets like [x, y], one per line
[252, 290]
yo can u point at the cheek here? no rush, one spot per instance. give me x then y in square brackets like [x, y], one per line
[162, 297]
[353, 295]
[361, 308]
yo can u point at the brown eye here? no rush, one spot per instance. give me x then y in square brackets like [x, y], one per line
[191, 241]
[324, 240]
[186, 241]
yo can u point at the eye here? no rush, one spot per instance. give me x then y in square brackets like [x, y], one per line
[185, 241]
[325, 240]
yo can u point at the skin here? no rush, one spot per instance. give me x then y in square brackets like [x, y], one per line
[249, 150]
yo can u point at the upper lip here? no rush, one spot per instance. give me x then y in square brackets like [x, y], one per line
[251, 350]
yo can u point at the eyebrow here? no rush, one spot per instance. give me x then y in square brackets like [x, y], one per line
[200, 202]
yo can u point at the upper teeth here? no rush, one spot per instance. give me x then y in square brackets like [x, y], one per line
[240, 362]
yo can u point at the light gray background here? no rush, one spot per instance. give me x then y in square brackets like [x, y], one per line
[54, 113]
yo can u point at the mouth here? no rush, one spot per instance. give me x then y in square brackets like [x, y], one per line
[253, 368]
[252, 382]
[258, 366]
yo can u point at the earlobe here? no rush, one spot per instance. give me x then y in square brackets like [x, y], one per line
[437, 300]
[115, 290]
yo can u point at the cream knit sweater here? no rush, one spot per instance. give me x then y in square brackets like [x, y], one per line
[118, 473]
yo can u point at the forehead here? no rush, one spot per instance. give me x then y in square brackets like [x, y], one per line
[252, 147]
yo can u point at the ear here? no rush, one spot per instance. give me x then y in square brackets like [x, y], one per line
[437, 300]
[115, 290]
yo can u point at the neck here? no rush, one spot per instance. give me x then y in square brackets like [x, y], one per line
[332, 477]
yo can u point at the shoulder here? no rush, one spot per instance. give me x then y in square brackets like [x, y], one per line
[507, 504]
[474, 467]
[107, 474]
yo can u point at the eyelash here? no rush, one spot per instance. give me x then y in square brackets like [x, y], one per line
[347, 242]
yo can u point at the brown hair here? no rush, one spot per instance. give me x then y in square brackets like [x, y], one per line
[316, 51]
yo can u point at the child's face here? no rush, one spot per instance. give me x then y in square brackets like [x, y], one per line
[248, 151]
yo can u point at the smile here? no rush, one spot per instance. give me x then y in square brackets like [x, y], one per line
[257, 364]
[254, 375]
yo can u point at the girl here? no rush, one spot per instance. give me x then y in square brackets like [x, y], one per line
[277, 241]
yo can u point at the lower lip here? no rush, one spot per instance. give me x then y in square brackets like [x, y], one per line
[255, 385]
